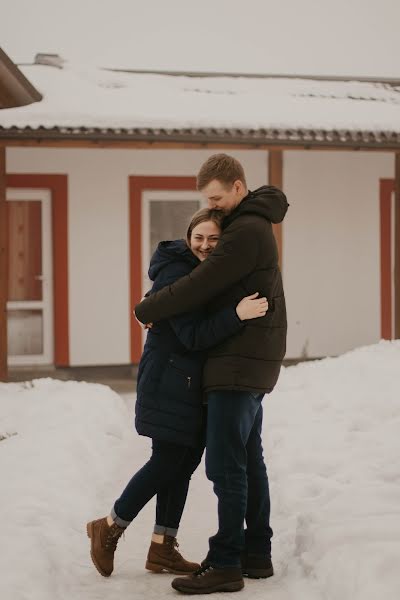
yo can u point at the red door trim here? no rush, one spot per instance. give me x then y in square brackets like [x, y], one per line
[58, 186]
[137, 184]
[385, 200]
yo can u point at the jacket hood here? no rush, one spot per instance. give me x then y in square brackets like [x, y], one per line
[171, 251]
[267, 201]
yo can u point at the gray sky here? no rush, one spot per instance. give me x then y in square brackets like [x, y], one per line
[326, 37]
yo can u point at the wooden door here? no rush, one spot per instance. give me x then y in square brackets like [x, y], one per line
[30, 298]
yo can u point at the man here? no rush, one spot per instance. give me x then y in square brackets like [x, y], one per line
[238, 372]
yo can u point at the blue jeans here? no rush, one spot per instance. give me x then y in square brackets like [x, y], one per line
[235, 465]
[166, 474]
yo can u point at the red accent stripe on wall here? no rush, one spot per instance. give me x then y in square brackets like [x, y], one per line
[385, 200]
[137, 184]
[58, 186]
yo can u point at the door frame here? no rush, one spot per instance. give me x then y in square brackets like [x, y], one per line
[46, 303]
[58, 187]
[137, 185]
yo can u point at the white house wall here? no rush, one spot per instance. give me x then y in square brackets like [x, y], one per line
[331, 250]
[98, 236]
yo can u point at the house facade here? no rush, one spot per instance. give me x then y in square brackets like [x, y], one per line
[87, 202]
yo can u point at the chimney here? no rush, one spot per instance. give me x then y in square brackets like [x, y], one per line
[51, 60]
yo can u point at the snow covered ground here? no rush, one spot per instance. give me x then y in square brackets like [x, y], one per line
[332, 446]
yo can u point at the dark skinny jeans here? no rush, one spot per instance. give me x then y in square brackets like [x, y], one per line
[166, 474]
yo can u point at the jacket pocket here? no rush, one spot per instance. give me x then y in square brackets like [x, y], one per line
[181, 379]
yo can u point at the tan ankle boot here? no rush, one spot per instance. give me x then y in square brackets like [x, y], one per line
[104, 540]
[165, 557]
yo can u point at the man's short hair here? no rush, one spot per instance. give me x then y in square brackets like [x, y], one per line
[222, 167]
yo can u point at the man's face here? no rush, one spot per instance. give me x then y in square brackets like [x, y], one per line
[223, 198]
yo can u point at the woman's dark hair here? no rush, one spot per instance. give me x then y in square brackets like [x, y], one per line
[201, 216]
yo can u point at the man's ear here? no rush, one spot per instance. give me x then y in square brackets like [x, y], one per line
[239, 187]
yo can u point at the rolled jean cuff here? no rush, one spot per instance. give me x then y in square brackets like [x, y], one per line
[162, 530]
[120, 522]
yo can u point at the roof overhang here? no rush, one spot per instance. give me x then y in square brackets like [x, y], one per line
[296, 138]
[94, 107]
[15, 89]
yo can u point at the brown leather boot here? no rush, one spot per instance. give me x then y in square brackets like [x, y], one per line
[104, 540]
[165, 557]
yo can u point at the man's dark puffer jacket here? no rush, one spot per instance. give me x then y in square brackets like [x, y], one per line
[245, 261]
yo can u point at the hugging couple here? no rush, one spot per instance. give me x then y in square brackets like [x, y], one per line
[217, 336]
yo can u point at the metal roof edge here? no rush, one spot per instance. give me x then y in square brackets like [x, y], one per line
[254, 137]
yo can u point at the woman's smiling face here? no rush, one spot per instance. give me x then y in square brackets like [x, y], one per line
[204, 238]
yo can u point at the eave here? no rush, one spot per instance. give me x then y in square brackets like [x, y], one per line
[260, 138]
[15, 89]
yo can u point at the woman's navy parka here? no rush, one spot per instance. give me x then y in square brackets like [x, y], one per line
[169, 395]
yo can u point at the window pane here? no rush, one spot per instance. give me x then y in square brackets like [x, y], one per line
[25, 255]
[25, 332]
[169, 219]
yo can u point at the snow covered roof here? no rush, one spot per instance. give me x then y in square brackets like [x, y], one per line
[93, 103]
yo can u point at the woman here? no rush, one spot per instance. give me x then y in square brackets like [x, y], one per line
[169, 406]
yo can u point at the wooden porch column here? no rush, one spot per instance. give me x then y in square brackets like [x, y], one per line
[275, 177]
[397, 247]
[3, 267]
